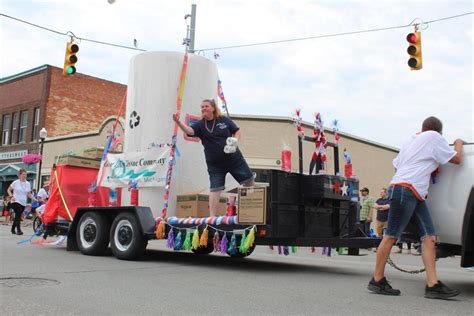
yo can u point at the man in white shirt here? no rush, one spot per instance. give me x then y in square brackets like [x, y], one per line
[415, 163]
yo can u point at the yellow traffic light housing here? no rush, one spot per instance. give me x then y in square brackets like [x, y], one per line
[414, 50]
[70, 59]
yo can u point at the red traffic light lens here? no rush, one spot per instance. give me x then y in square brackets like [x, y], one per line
[411, 38]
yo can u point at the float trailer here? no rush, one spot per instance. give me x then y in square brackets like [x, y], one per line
[302, 210]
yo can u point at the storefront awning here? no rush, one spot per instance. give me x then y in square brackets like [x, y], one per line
[12, 169]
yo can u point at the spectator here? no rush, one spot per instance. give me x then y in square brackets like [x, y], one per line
[6, 210]
[382, 206]
[366, 210]
[43, 194]
[19, 191]
[34, 203]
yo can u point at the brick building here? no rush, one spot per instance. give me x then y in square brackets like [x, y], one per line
[75, 108]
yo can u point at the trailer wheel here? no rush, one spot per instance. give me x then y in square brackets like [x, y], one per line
[92, 234]
[126, 238]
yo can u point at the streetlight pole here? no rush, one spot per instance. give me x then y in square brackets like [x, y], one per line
[43, 134]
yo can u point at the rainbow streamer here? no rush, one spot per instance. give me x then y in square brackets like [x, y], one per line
[179, 102]
[100, 175]
[220, 93]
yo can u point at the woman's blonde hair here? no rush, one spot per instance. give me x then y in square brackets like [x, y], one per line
[217, 112]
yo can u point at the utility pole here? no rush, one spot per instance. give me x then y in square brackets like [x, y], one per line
[192, 29]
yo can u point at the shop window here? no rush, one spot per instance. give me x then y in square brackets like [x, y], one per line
[23, 125]
[36, 119]
[6, 129]
[14, 128]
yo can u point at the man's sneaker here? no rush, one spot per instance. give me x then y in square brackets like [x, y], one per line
[440, 291]
[382, 287]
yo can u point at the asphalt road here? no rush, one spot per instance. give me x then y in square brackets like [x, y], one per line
[48, 280]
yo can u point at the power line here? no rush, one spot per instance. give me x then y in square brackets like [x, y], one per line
[449, 17]
[336, 34]
[68, 34]
[251, 44]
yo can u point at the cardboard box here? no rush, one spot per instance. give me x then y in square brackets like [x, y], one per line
[197, 205]
[252, 205]
[77, 161]
[94, 152]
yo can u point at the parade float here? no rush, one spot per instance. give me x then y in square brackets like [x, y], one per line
[133, 197]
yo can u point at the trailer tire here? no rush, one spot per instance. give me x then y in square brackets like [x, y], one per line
[92, 234]
[126, 237]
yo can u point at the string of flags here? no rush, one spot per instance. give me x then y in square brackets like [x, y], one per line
[191, 239]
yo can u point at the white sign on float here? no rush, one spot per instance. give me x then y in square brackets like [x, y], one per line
[142, 169]
[153, 83]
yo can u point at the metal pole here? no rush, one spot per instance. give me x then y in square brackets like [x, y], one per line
[336, 159]
[300, 153]
[39, 166]
[193, 28]
[187, 36]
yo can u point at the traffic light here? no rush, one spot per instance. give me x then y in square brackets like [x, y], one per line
[70, 59]
[414, 50]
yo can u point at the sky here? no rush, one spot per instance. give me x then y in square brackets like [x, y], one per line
[361, 80]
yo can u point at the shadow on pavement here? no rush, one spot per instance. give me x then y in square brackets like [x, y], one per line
[245, 264]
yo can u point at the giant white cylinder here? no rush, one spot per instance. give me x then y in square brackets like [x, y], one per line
[153, 83]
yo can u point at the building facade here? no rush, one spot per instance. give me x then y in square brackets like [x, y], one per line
[78, 112]
[66, 106]
[264, 137]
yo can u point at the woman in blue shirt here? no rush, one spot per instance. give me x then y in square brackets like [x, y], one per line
[219, 135]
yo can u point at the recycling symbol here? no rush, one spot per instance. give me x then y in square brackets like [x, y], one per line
[134, 119]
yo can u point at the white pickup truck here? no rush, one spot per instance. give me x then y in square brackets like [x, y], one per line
[451, 204]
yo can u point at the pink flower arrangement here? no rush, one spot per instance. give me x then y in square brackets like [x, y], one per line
[31, 159]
